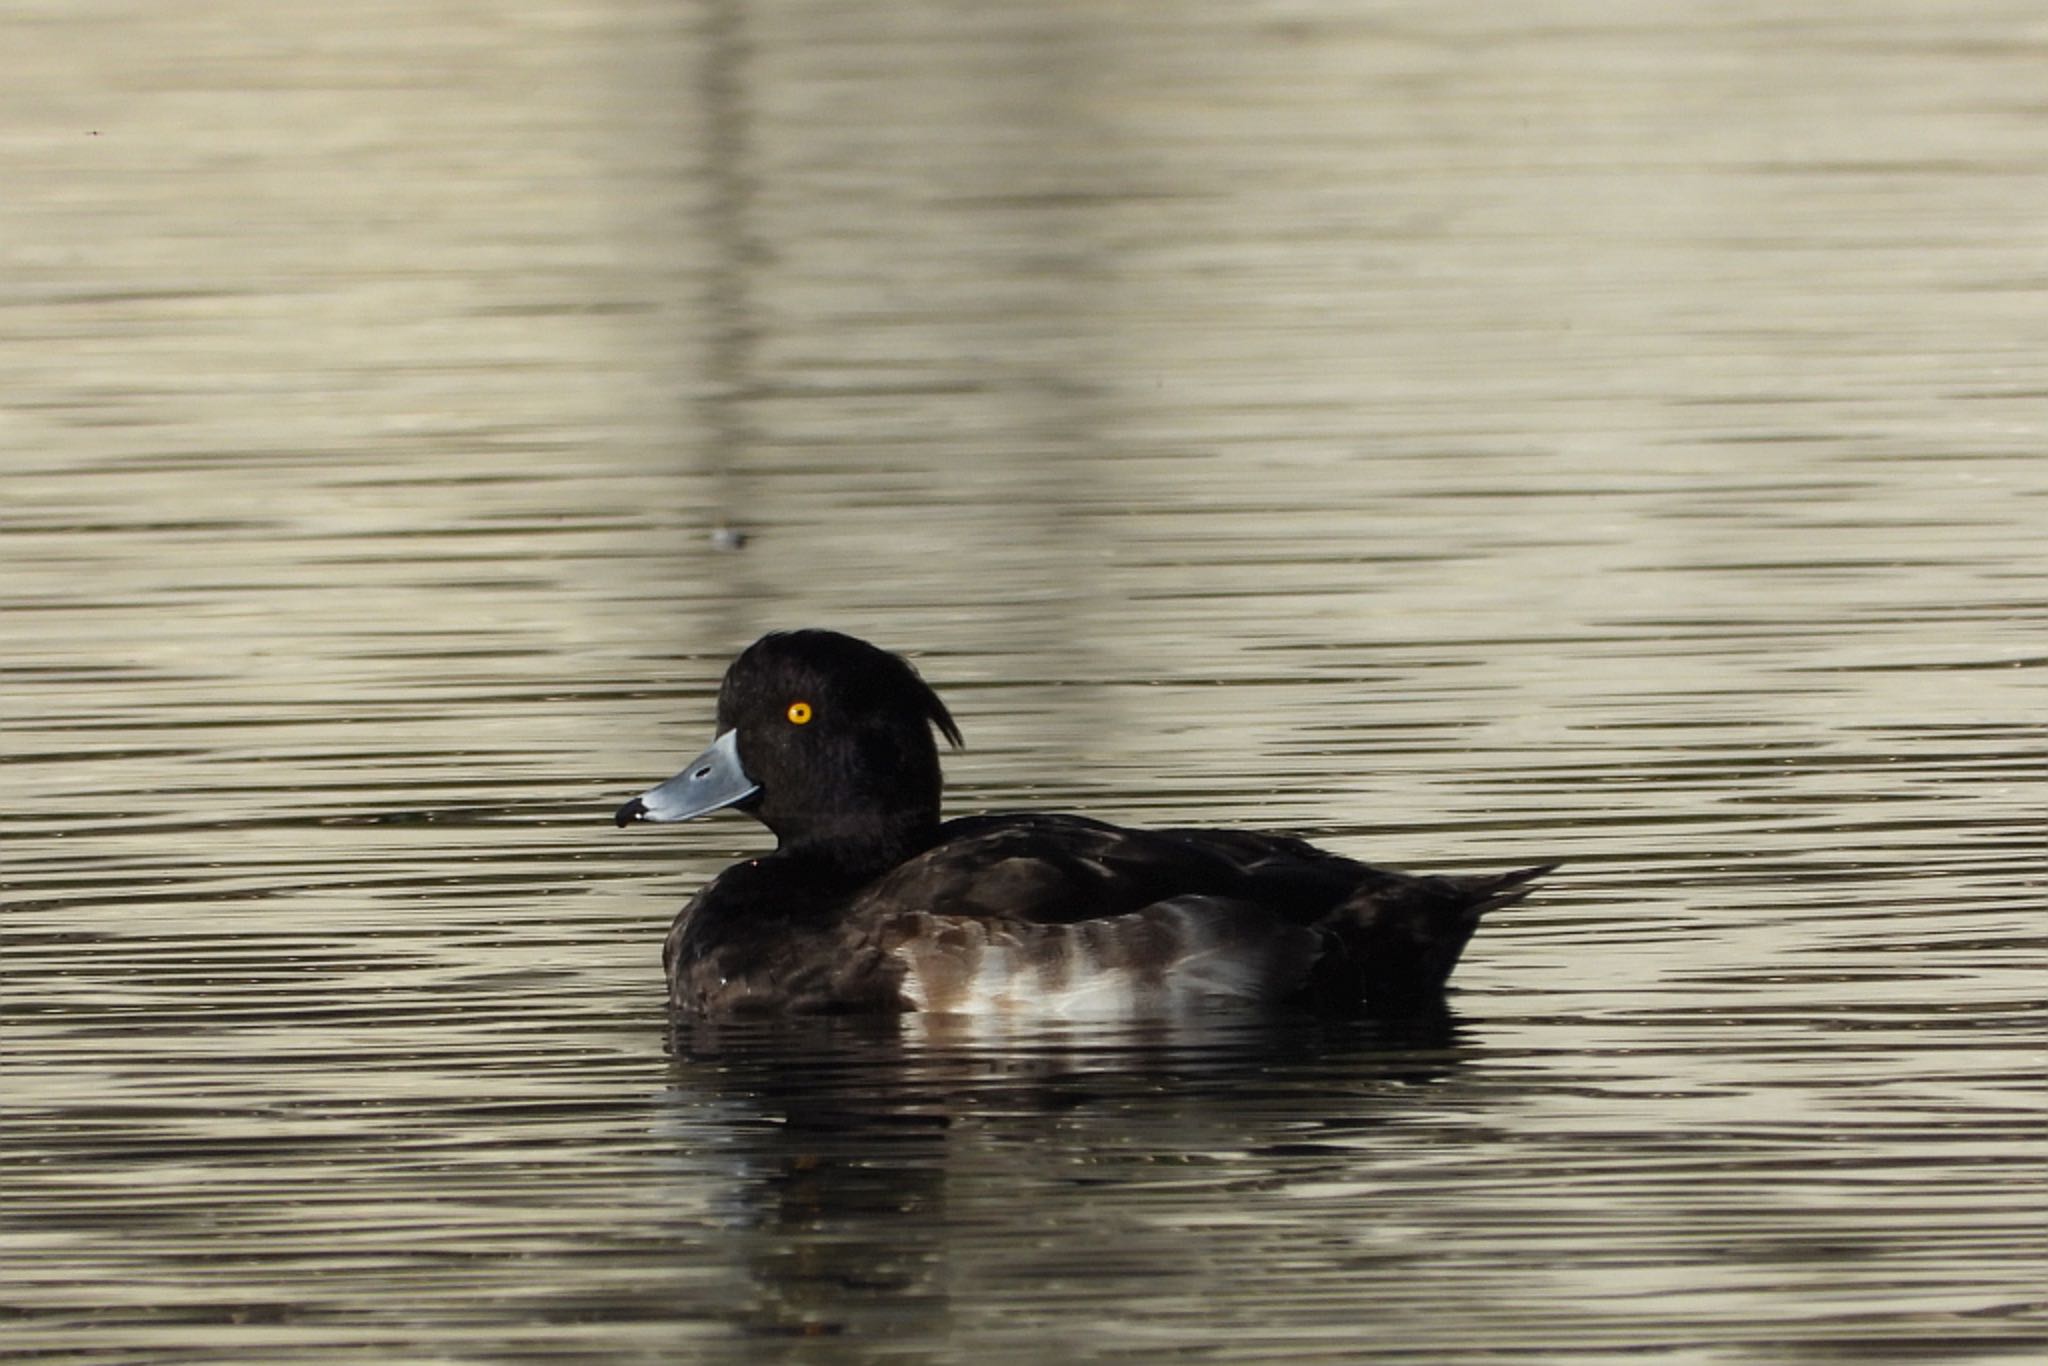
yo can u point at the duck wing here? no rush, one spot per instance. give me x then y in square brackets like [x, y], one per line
[1087, 918]
[1057, 869]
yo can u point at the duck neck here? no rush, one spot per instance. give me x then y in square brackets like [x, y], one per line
[856, 849]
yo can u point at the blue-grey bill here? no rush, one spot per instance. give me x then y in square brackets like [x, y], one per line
[713, 779]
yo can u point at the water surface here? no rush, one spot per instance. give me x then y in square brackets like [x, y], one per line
[1466, 438]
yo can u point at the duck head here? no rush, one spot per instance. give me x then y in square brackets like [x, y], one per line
[824, 739]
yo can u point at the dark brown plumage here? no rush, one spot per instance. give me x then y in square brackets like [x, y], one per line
[870, 903]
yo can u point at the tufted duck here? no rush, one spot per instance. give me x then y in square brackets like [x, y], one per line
[871, 903]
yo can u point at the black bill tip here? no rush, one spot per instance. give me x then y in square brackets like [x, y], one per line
[630, 812]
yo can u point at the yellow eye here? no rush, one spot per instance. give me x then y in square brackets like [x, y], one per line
[799, 713]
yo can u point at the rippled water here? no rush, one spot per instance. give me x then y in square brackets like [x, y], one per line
[1465, 437]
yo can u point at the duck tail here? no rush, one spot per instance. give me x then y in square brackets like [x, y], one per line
[1393, 944]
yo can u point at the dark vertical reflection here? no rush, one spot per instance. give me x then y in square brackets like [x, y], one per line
[729, 325]
[726, 302]
[906, 313]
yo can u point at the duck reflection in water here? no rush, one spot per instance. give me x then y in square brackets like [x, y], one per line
[864, 1164]
[871, 904]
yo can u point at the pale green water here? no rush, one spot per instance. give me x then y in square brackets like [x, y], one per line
[1468, 437]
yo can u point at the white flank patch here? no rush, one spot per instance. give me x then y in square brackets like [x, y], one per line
[1214, 968]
